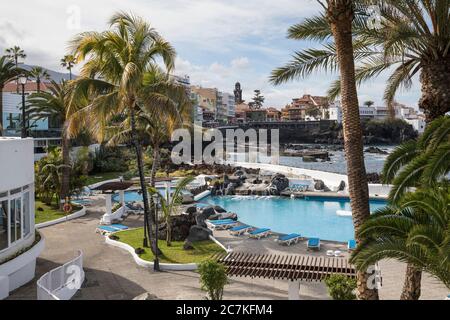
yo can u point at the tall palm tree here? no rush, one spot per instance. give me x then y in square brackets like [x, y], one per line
[39, 74]
[56, 104]
[15, 54]
[8, 72]
[418, 164]
[339, 15]
[416, 231]
[68, 62]
[170, 202]
[113, 77]
[403, 42]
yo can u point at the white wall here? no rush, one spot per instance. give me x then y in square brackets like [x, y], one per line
[16, 163]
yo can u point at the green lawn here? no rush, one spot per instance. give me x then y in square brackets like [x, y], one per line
[102, 177]
[49, 213]
[175, 254]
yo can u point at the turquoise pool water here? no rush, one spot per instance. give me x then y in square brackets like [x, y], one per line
[313, 217]
[132, 196]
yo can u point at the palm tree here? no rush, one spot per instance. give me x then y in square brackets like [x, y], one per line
[170, 202]
[369, 103]
[15, 53]
[339, 15]
[418, 164]
[39, 74]
[403, 42]
[113, 77]
[56, 104]
[416, 231]
[68, 62]
[165, 107]
[8, 72]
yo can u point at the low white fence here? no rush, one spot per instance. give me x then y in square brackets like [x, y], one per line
[63, 282]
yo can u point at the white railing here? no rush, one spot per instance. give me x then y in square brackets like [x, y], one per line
[63, 282]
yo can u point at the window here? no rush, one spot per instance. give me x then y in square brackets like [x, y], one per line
[15, 219]
[26, 214]
[3, 224]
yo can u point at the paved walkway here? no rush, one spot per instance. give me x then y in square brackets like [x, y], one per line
[111, 273]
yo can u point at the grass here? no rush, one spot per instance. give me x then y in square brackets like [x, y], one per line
[50, 213]
[95, 178]
[203, 250]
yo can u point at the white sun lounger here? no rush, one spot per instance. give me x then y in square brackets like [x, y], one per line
[289, 239]
[220, 225]
[259, 233]
[239, 231]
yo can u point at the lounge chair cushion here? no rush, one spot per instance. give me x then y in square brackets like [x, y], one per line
[289, 237]
[313, 242]
[258, 231]
[240, 228]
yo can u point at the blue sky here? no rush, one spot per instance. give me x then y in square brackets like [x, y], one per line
[218, 42]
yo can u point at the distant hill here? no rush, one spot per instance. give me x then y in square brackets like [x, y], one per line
[54, 75]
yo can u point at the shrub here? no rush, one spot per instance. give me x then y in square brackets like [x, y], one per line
[341, 287]
[213, 279]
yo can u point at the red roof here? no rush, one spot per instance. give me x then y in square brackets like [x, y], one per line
[29, 87]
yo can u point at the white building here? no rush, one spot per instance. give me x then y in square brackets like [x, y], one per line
[228, 101]
[410, 115]
[46, 132]
[17, 232]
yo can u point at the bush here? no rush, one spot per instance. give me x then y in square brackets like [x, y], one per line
[213, 279]
[341, 287]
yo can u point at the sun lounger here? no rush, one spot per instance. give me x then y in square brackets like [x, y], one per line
[314, 243]
[289, 239]
[238, 231]
[220, 224]
[259, 233]
[351, 245]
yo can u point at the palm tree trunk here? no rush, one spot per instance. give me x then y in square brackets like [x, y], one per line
[65, 183]
[340, 15]
[412, 285]
[435, 100]
[140, 165]
[1, 110]
[169, 231]
[38, 85]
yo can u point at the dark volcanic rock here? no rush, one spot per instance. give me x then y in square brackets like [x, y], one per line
[204, 215]
[198, 233]
[180, 226]
[375, 150]
[219, 209]
[191, 210]
[342, 186]
[278, 184]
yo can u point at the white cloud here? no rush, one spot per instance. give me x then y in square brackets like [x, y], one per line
[240, 63]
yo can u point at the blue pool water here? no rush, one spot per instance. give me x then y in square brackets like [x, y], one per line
[132, 196]
[315, 217]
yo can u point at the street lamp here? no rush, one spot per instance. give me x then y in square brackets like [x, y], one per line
[23, 81]
[156, 249]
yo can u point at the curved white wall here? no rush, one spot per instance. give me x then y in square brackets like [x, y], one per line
[17, 163]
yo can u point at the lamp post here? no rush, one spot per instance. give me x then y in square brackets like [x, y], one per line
[23, 81]
[156, 261]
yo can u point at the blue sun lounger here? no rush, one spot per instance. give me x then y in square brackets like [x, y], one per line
[314, 243]
[259, 233]
[351, 245]
[119, 226]
[220, 224]
[289, 239]
[238, 231]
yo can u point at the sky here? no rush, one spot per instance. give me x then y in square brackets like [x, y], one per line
[218, 42]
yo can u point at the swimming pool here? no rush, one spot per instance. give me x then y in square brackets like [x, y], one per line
[313, 217]
[132, 196]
